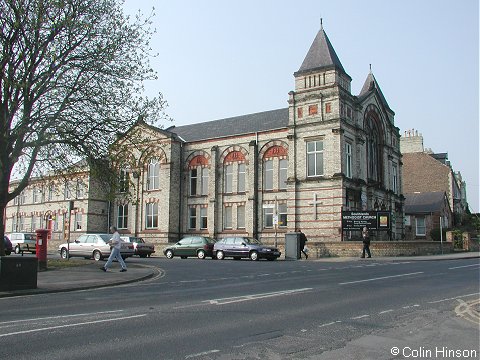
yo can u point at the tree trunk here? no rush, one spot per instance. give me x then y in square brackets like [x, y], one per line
[3, 221]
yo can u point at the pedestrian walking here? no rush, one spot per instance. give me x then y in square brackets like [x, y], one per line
[303, 247]
[116, 245]
[366, 243]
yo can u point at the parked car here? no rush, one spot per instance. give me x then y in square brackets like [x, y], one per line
[140, 247]
[22, 242]
[244, 247]
[199, 246]
[93, 246]
[7, 245]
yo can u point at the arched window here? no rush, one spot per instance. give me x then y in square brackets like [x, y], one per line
[153, 174]
[374, 152]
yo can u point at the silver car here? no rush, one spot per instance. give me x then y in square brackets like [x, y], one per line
[93, 246]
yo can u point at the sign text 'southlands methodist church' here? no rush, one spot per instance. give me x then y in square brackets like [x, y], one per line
[373, 220]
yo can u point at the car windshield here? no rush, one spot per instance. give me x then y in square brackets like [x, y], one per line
[30, 237]
[210, 240]
[252, 241]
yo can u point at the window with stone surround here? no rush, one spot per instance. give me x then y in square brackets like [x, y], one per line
[153, 174]
[151, 216]
[328, 108]
[313, 109]
[420, 229]
[315, 158]
[348, 160]
[268, 217]
[241, 217]
[241, 178]
[282, 215]
[192, 217]
[227, 217]
[122, 216]
[203, 218]
[300, 112]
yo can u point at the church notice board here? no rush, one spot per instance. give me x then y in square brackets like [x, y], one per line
[373, 220]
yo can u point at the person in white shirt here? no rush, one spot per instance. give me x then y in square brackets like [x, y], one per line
[116, 244]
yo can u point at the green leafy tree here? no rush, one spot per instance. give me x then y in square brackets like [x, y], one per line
[71, 79]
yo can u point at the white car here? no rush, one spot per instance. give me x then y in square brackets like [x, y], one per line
[93, 246]
[22, 242]
[142, 248]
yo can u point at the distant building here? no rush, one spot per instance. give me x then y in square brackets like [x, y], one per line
[425, 172]
[425, 212]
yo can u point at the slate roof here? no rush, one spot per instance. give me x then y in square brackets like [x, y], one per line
[321, 55]
[234, 126]
[427, 202]
[369, 86]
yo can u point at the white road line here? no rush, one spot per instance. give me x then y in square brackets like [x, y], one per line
[201, 354]
[71, 325]
[380, 278]
[236, 299]
[359, 317]
[453, 298]
[385, 311]
[464, 266]
[330, 323]
[61, 316]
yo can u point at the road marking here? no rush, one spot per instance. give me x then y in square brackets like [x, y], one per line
[71, 325]
[61, 316]
[453, 298]
[464, 266]
[385, 311]
[380, 278]
[330, 323]
[236, 299]
[359, 317]
[201, 354]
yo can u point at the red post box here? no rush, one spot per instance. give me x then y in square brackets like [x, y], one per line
[41, 248]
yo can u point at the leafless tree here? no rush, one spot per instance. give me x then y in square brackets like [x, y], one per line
[71, 79]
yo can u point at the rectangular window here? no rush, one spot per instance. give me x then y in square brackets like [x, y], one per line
[151, 220]
[268, 166]
[37, 195]
[228, 178]
[300, 113]
[282, 174]
[420, 226]
[78, 221]
[282, 215]
[315, 158]
[33, 225]
[67, 194]
[313, 110]
[203, 218]
[14, 224]
[80, 189]
[123, 181]
[241, 217]
[268, 217]
[122, 218]
[193, 182]
[192, 218]
[153, 175]
[328, 108]
[227, 217]
[394, 179]
[348, 160]
[205, 181]
[241, 178]
[51, 190]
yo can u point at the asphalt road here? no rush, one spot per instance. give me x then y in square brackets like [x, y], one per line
[208, 309]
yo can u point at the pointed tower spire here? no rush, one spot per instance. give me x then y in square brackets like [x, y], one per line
[321, 55]
[370, 85]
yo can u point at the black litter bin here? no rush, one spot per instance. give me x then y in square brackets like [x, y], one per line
[18, 273]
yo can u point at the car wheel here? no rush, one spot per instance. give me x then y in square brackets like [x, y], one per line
[97, 255]
[64, 253]
[201, 254]
[254, 256]
[17, 249]
[220, 255]
[169, 254]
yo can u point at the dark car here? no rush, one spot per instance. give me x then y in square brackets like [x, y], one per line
[7, 245]
[141, 248]
[199, 246]
[244, 247]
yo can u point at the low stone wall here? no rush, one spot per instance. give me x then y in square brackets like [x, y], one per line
[377, 248]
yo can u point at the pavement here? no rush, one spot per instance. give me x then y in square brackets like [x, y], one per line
[90, 276]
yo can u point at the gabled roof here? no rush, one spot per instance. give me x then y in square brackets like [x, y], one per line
[426, 202]
[234, 126]
[370, 86]
[320, 56]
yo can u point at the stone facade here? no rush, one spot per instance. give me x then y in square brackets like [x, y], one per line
[263, 174]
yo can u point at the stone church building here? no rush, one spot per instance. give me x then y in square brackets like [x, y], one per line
[259, 175]
[273, 172]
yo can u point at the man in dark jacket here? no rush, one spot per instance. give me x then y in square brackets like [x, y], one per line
[303, 241]
[366, 243]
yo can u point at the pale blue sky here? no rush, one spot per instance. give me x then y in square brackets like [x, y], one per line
[220, 59]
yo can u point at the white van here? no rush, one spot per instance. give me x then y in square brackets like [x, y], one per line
[22, 242]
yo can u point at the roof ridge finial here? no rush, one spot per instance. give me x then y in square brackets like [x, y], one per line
[321, 23]
[370, 68]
